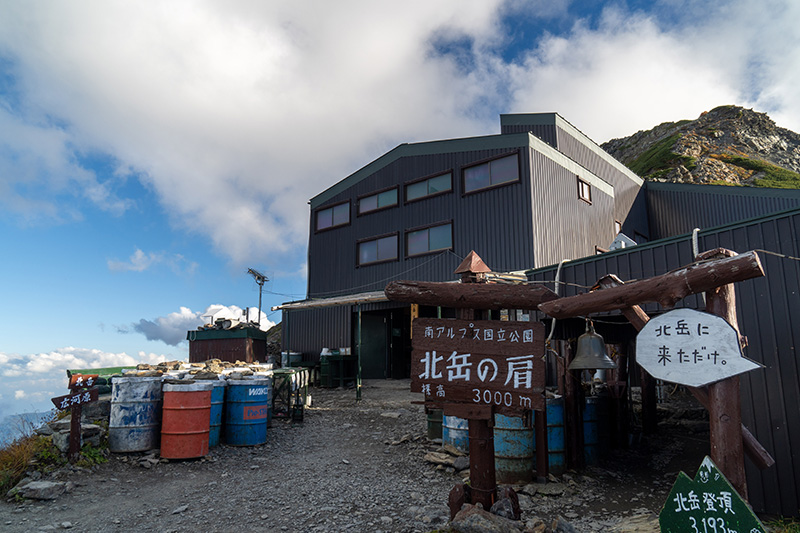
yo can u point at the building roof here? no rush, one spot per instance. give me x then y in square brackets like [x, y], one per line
[485, 142]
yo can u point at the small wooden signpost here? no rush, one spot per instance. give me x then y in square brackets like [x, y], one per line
[707, 504]
[84, 392]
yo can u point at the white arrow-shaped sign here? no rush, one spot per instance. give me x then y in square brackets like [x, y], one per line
[691, 348]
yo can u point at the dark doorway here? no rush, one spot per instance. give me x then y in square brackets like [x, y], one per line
[374, 344]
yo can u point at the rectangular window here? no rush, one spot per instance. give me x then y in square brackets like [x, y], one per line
[617, 227]
[331, 217]
[584, 191]
[377, 250]
[429, 239]
[429, 187]
[377, 201]
[491, 173]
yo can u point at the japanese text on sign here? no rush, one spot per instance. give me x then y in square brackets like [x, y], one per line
[479, 362]
[691, 348]
[79, 398]
[707, 504]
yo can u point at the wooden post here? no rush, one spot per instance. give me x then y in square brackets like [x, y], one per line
[75, 434]
[483, 482]
[573, 422]
[724, 405]
[638, 318]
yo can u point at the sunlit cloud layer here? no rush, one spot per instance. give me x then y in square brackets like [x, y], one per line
[172, 329]
[236, 113]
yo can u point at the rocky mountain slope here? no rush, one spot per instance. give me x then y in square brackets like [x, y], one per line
[728, 145]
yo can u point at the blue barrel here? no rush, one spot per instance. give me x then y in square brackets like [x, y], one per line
[514, 450]
[455, 432]
[246, 411]
[217, 412]
[555, 436]
[268, 375]
[134, 423]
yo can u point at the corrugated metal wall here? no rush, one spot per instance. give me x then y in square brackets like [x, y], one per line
[309, 330]
[768, 311]
[496, 223]
[676, 208]
[566, 227]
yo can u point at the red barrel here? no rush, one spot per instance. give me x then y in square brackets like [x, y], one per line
[185, 420]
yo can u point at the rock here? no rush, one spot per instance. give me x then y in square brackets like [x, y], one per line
[391, 414]
[66, 525]
[642, 523]
[562, 526]
[461, 463]
[507, 504]
[439, 458]
[452, 450]
[474, 519]
[552, 489]
[41, 490]
[535, 525]
[180, 509]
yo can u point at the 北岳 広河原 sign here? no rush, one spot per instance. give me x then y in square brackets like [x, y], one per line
[479, 362]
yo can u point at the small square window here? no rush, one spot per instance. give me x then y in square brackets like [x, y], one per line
[584, 191]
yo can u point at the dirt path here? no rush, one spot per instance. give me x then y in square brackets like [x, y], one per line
[348, 467]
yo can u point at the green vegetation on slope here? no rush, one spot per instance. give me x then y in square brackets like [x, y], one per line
[774, 176]
[660, 156]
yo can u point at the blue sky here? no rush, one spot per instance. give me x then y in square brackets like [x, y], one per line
[151, 153]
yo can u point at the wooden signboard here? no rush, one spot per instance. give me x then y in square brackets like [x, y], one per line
[77, 398]
[707, 504]
[479, 363]
[82, 381]
[691, 348]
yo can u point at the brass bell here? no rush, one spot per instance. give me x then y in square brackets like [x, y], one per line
[591, 352]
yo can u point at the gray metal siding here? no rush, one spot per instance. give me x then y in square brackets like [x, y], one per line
[768, 311]
[547, 133]
[625, 189]
[676, 208]
[309, 330]
[495, 222]
[564, 226]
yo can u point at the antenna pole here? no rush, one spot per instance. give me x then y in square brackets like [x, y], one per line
[260, 279]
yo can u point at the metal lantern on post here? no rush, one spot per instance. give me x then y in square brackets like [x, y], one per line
[591, 352]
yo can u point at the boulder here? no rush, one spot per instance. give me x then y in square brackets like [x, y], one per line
[41, 490]
[474, 519]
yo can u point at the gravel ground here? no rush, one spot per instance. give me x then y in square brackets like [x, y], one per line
[349, 466]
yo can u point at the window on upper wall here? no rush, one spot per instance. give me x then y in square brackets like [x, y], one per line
[491, 173]
[430, 239]
[374, 202]
[584, 191]
[377, 250]
[331, 217]
[617, 227]
[429, 187]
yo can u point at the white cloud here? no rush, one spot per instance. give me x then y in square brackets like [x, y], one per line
[35, 378]
[173, 328]
[140, 261]
[236, 113]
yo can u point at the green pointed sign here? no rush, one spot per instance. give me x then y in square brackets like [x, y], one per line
[707, 504]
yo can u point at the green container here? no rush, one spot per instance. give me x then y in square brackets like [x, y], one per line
[325, 372]
[434, 424]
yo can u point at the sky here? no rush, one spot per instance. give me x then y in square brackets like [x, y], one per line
[150, 153]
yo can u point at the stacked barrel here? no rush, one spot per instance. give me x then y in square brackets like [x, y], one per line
[186, 417]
